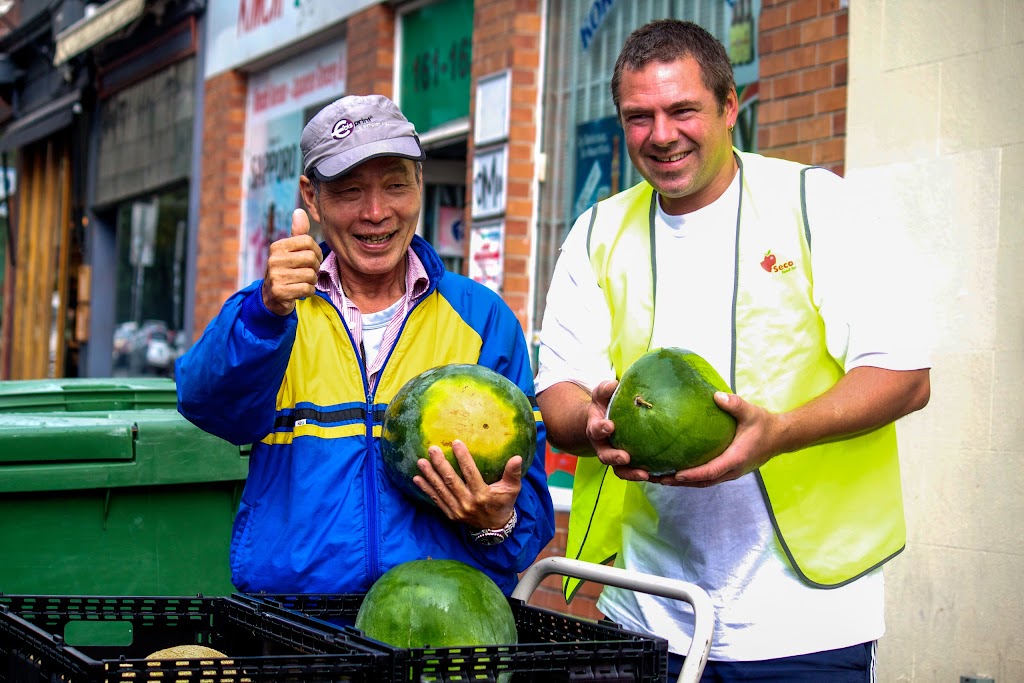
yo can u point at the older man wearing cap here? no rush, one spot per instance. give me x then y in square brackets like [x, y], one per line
[303, 363]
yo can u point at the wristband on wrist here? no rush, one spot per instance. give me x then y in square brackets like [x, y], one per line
[496, 536]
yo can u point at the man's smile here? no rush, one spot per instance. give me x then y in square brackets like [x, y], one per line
[669, 159]
[376, 239]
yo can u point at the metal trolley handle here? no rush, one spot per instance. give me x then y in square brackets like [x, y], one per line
[704, 614]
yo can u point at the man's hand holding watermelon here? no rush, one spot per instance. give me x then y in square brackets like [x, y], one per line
[468, 499]
[861, 400]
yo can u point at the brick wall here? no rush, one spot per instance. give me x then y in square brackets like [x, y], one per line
[371, 52]
[221, 195]
[804, 55]
[549, 594]
[506, 35]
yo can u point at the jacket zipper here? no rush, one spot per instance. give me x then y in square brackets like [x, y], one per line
[373, 568]
[371, 398]
[372, 565]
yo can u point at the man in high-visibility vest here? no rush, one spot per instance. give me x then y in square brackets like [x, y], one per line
[755, 264]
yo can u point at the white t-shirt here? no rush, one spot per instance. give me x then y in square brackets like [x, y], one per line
[374, 326]
[721, 538]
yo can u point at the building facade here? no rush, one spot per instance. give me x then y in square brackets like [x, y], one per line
[180, 123]
[181, 136]
[148, 154]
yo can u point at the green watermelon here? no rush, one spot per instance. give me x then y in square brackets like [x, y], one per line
[665, 413]
[475, 404]
[435, 604]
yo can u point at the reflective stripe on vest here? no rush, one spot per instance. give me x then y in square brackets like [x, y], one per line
[836, 508]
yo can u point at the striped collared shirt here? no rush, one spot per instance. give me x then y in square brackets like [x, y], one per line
[416, 285]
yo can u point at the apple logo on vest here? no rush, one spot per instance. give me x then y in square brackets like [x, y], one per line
[342, 129]
[770, 266]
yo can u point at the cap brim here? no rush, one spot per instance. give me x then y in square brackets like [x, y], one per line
[405, 147]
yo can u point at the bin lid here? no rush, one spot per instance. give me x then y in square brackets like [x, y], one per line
[47, 437]
[74, 394]
[155, 447]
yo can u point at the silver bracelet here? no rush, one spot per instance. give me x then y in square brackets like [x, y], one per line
[496, 536]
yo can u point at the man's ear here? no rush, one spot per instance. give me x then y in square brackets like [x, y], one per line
[732, 108]
[309, 198]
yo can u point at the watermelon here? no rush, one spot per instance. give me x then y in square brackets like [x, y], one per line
[187, 652]
[475, 404]
[434, 604]
[665, 413]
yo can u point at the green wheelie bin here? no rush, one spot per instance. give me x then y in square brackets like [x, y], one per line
[106, 490]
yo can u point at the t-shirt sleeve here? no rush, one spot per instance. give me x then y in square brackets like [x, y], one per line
[868, 295]
[576, 328]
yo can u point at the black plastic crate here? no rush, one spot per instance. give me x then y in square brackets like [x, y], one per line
[92, 639]
[552, 647]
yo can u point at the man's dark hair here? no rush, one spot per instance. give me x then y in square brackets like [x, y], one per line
[666, 40]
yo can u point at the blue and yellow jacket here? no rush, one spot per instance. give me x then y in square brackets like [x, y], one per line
[318, 514]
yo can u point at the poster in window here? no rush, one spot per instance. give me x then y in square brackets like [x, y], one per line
[271, 189]
[486, 254]
[742, 48]
[451, 231]
[599, 153]
[276, 113]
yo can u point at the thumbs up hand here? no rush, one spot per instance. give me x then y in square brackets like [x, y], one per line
[292, 267]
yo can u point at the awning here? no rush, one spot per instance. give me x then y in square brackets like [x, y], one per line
[95, 28]
[39, 123]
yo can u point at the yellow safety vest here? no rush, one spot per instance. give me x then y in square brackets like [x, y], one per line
[837, 508]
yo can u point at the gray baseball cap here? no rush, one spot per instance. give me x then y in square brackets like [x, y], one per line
[354, 129]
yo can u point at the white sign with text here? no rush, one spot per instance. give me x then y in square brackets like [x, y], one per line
[490, 187]
[242, 31]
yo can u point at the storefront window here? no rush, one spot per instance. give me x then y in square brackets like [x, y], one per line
[149, 305]
[280, 103]
[587, 160]
[583, 141]
[444, 211]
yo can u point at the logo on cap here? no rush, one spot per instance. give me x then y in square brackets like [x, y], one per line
[342, 129]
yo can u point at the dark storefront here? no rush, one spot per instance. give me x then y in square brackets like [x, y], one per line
[103, 100]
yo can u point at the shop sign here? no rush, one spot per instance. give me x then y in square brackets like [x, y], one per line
[493, 101]
[596, 13]
[95, 28]
[242, 31]
[436, 63]
[489, 187]
[280, 101]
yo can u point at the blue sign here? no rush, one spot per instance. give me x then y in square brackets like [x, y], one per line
[600, 150]
[592, 20]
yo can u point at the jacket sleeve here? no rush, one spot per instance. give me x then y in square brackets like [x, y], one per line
[504, 350]
[228, 381]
